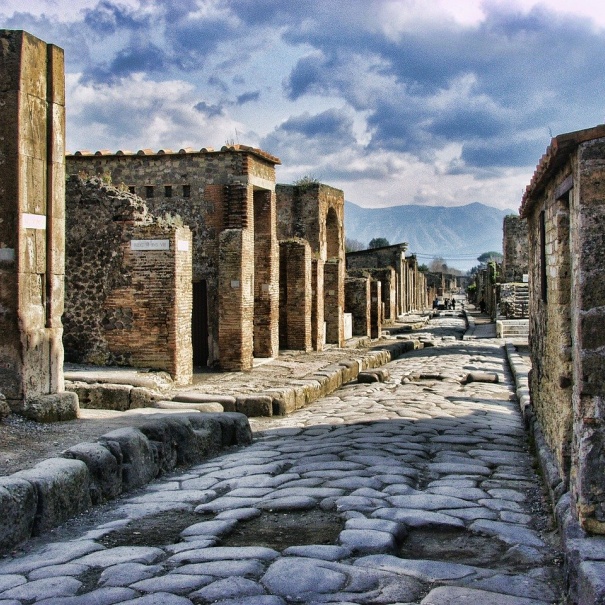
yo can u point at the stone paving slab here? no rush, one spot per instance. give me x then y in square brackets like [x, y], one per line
[355, 521]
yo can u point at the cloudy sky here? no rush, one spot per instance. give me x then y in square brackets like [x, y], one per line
[434, 102]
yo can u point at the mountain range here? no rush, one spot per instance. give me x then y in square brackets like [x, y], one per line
[458, 234]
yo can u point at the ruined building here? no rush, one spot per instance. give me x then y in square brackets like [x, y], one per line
[564, 206]
[404, 290]
[513, 289]
[128, 288]
[32, 193]
[311, 214]
[227, 199]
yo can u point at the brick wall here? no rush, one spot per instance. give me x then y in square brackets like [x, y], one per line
[128, 288]
[295, 295]
[211, 191]
[550, 323]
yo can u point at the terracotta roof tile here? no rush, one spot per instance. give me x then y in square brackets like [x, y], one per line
[226, 148]
[555, 156]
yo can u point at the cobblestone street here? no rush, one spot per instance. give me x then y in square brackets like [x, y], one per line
[420, 489]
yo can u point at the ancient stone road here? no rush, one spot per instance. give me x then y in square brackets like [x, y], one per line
[416, 490]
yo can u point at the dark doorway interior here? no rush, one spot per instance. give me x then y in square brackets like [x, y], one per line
[199, 324]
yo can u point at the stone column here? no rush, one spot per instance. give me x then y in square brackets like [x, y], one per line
[32, 227]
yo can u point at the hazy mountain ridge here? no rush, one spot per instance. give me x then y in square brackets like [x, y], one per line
[431, 230]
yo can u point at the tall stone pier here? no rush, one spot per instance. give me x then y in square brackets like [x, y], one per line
[32, 227]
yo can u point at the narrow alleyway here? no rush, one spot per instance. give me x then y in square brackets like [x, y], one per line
[420, 489]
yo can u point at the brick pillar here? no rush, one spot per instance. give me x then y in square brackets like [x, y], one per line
[357, 302]
[295, 293]
[375, 309]
[266, 276]
[318, 334]
[32, 227]
[236, 299]
[334, 301]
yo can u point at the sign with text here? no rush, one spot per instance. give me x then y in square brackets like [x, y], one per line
[150, 244]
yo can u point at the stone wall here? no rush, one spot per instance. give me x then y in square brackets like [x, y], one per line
[211, 192]
[565, 210]
[515, 261]
[128, 287]
[32, 148]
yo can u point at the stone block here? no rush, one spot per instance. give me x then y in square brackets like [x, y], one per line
[18, 503]
[104, 469]
[140, 460]
[213, 432]
[51, 408]
[211, 407]
[63, 490]
[227, 401]
[591, 583]
[105, 396]
[482, 377]
[254, 405]
[141, 397]
[235, 428]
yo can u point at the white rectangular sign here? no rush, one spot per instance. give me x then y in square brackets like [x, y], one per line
[33, 221]
[150, 244]
[182, 245]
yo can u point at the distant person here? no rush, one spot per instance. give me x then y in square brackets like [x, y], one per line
[453, 304]
[483, 305]
[435, 303]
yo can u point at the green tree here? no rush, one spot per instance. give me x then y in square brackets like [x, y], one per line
[378, 242]
[486, 257]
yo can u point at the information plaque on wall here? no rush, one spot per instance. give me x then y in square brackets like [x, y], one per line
[149, 244]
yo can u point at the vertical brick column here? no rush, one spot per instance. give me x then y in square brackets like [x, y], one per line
[236, 299]
[375, 309]
[295, 290]
[32, 227]
[266, 275]
[334, 301]
[318, 334]
[357, 302]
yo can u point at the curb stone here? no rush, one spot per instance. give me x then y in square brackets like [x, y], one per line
[38, 499]
[584, 555]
